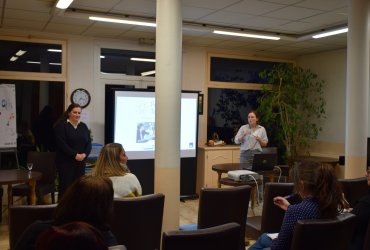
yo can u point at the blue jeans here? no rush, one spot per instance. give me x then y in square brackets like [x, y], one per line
[262, 243]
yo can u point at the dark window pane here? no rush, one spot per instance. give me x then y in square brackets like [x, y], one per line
[228, 110]
[238, 70]
[116, 61]
[30, 57]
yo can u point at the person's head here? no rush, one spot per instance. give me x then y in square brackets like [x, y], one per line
[88, 199]
[111, 161]
[76, 235]
[73, 112]
[253, 118]
[319, 181]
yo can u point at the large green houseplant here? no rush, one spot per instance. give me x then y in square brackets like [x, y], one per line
[292, 103]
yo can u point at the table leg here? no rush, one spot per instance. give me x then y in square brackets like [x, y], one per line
[32, 184]
[219, 178]
[10, 195]
[253, 196]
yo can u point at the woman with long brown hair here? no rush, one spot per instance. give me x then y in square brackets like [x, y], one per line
[321, 195]
[112, 163]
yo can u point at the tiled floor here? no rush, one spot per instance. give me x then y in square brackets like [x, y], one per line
[188, 215]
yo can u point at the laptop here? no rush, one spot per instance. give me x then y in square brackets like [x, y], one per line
[263, 162]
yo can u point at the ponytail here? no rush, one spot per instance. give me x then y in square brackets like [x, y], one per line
[328, 192]
[320, 181]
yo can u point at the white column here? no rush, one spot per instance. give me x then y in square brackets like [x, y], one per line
[168, 108]
[357, 89]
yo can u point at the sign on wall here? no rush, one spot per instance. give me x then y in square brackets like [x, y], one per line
[8, 126]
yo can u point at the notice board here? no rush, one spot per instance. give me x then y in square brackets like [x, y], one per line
[8, 126]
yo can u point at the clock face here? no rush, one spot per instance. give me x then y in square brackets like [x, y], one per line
[81, 97]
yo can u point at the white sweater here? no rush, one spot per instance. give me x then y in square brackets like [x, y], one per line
[126, 186]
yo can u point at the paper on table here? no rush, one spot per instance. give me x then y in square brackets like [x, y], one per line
[273, 236]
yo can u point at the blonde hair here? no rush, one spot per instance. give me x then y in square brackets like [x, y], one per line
[108, 163]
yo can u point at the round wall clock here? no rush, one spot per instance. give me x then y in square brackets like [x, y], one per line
[81, 97]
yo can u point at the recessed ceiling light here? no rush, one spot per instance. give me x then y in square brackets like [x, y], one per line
[33, 62]
[55, 50]
[123, 21]
[330, 33]
[13, 58]
[63, 4]
[229, 33]
[20, 52]
[147, 73]
[142, 59]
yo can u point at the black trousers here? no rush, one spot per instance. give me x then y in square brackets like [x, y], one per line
[68, 173]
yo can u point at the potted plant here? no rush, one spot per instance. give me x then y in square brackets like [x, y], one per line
[292, 102]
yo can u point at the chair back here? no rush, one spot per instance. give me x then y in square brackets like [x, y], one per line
[272, 215]
[20, 217]
[323, 234]
[367, 237]
[354, 189]
[218, 206]
[223, 237]
[43, 162]
[137, 222]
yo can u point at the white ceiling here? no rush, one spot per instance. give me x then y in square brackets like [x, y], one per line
[290, 18]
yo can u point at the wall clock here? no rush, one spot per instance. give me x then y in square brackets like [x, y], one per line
[81, 97]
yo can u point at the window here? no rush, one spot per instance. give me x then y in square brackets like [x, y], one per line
[127, 62]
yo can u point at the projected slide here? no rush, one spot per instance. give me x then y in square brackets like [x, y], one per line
[134, 123]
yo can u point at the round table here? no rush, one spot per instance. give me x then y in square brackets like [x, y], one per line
[16, 176]
[226, 167]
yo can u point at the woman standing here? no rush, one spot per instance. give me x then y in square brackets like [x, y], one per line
[112, 163]
[252, 138]
[73, 144]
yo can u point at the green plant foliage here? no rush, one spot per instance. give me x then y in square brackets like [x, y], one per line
[293, 102]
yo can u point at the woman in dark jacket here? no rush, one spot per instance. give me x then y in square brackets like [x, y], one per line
[73, 145]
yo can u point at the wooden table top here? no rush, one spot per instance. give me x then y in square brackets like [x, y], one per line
[14, 176]
[226, 167]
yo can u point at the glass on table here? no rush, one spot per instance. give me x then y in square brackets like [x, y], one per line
[29, 166]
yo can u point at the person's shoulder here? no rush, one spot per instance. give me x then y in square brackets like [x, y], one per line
[40, 225]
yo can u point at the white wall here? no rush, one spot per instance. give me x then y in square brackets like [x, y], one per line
[331, 67]
[84, 72]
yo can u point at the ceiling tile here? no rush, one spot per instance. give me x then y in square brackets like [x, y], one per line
[253, 7]
[95, 5]
[143, 7]
[327, 18]
[210, 4]
[220, 18]
[327, 5]
[293, 13]
[27, 15]
[192, 13]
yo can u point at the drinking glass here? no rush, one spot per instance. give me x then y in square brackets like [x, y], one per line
[29, 166]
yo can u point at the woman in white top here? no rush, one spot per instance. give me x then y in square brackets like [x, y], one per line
[112, 163]
[252, 138]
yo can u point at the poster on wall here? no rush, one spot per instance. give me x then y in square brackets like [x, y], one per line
[8, 126]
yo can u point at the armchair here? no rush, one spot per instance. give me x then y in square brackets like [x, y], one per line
[272, 216]
[323, 234]
[223, 237]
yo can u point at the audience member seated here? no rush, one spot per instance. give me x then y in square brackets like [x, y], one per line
[88, 199]
[321, 196]
[71, 236]
[112, 163]
[362, 212]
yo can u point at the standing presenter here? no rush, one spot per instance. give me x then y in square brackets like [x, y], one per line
[252, 138]
[73, 145]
